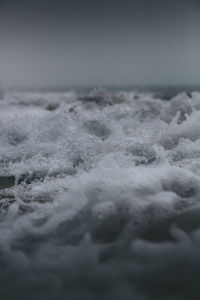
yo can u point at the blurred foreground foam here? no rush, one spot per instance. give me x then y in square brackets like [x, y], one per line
[99, 195]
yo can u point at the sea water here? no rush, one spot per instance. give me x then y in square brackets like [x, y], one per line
[99, 195]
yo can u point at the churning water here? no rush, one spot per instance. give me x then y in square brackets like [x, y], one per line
[99, 196]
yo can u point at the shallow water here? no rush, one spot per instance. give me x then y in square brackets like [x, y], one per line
[99, 195]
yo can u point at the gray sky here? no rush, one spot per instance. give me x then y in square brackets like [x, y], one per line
[98, 43]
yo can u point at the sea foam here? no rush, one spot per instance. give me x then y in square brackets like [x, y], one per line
[99, 195]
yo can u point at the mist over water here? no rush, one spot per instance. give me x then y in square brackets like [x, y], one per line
[99, 43]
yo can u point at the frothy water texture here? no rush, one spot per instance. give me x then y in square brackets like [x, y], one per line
[99, 196]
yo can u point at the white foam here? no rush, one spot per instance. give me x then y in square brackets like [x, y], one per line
[105, 194]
